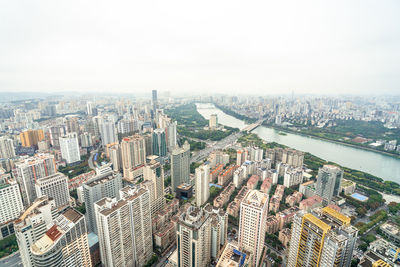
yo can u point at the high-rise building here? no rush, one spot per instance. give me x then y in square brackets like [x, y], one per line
[213, 121]
[31, 137]
[6, 148]
[148, 139]
[180, 165]
[105, 185]
[54, 186]
[64, 244]
[115, 155]
[171, 135]
[108, 132]
[55, 133]
[292, 176]
[325, 238]
[10, 203]
[252, 223]
[30, 169]
[72, 124]
[328, 182]
[202, 184]
[32, 225]
[124, 228]
[159, 143]
[194, 238]
[155, 173]
[86, 139]
[70, 148]
[133, 154]
[154, 100]
[219, 229]
[89, 108]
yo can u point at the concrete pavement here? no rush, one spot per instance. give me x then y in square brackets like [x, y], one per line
[13, 260]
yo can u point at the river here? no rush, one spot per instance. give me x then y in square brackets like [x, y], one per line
[380, 165]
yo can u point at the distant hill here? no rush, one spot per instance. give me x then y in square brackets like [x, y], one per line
[18, 96]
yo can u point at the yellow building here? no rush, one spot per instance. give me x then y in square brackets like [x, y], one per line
[31, 137]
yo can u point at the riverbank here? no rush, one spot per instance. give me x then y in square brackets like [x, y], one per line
[283, 129]
[236, 115]
[313, 162]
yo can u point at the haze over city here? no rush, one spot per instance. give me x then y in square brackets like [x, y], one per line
[261, 47]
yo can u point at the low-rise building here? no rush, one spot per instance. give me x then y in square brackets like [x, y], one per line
[348, 187]
[266, 185]
[311, 203]
[391, 231]
[224, 196]
[234, 207]
[284, 236]
[253, 181]
[272, 225]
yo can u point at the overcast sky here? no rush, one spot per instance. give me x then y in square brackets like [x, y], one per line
[227, 46]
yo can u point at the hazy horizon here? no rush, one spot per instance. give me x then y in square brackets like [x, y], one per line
[228, 47]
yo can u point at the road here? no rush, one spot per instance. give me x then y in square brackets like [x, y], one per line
[11, 261]
[161, 262]
[229, 140]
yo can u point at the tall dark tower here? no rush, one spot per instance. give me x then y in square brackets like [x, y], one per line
[154, 100]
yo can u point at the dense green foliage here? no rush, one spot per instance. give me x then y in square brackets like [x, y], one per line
[374, 220]
[194, 145]
[251, 139]
[75, 170]
[235, 114]
[152, 260]
[273, 241]
[8, 246]
[187, 115]
[191, 124]
[194, 165]
[214, 192]
[394, 207]
[81, 208]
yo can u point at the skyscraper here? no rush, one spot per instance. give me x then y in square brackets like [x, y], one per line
[171, 135]
[54, 186]
[89, 108]
[202, 187]
[133, 154]
[108, 132]
[69, 147]
[30, 169]
[159, 143]
[252, 222]
[124, 226]
[115, 155]
[194, 238]
[328, 182]
[31, 137]
[64, 244]
[154, 100]
[6, 148]
[325, 238]
[32, 225]
[155, 173]
[10, 205]
[105, 185]
[213, 121]
[55, 133]
[180, 165]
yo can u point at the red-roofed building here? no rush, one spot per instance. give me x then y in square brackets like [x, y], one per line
[252, 182]
[310, 203]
